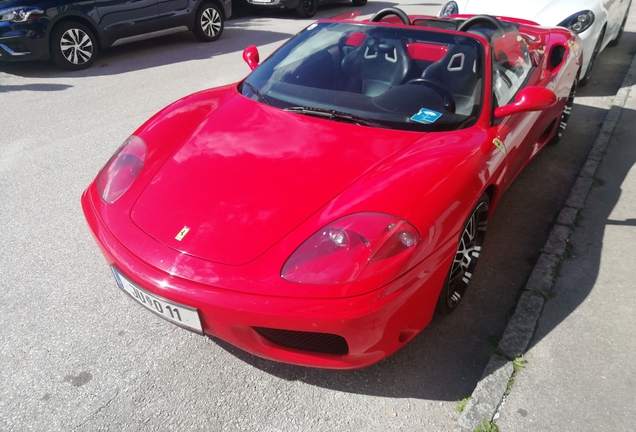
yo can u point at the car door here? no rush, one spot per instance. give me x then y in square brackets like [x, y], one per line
[125, 18]
[175, 13]
[517, 135]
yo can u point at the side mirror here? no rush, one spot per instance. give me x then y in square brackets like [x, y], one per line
[251, 57]
[533, 98]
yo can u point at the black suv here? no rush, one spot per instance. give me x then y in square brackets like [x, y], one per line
[71, 32]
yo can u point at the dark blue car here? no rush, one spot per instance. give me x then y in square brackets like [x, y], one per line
[71, 32]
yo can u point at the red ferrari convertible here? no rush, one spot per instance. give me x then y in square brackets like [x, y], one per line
[321, 210]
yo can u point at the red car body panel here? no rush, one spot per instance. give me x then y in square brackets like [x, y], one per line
[255, 195]
[253, 182]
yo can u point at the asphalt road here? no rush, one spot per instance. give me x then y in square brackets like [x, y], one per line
[77, 354]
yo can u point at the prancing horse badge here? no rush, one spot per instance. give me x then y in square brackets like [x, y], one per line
[182, 233]
[500, 145]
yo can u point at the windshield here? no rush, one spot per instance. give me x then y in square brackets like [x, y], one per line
[396, 77]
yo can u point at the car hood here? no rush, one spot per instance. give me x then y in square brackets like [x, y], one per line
[249, 174]
[544, 12]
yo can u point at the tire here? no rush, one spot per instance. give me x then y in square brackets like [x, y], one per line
[597, 50]
[565, 116]
[307, 8]
[73, 46]
[359, 2]
[466, 256]
[208, 22]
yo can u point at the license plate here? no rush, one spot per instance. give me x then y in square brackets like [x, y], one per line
[176, 313]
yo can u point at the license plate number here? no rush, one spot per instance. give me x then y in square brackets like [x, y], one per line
[176, 313]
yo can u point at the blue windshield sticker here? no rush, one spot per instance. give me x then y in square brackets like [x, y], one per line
[426, 116]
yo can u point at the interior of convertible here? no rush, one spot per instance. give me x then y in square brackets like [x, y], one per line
[404, 77]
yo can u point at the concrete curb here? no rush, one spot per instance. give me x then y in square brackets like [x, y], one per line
[490, 391]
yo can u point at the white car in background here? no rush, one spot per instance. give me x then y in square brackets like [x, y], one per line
[599, 23]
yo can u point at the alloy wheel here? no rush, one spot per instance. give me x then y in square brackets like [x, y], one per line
[565, 116]
[76, 46]
[210, 22]
[467, 254]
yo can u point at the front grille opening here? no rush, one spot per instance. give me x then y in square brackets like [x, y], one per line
[306, 341]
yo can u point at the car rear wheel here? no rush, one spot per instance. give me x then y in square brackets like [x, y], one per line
[73, 46]
[208, 23]
[590, 66]
[307, 8]
[565, 116]
[466, 256]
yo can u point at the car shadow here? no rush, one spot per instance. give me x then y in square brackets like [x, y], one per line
[593, 238]
[447, 359]
[607, 70]
[34, 87]
[580, 269]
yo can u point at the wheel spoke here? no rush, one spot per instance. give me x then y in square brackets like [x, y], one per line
[210, 22]
[76, 46]
[467, 254]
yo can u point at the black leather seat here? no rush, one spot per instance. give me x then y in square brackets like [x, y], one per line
[456, 70]
[381, 65]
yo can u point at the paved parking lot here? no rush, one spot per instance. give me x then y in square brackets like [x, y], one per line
[77, 354]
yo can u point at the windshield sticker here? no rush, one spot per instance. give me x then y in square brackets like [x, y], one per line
[500, 145]
[426, 116]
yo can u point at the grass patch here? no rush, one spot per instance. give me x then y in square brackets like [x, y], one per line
[461, 405]
[487, 426]
[517, 364]
[556, 271]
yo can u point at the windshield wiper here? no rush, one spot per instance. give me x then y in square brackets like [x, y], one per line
[258, 94]
[335, 115]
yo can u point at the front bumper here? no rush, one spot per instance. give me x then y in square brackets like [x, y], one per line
[340, 333]
[23, 41]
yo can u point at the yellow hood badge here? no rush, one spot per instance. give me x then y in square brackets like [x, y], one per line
[182, 233]
[500, 145]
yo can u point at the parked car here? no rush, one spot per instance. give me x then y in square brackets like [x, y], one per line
[304, 8]
[71, 32]
[319, 211]
[598, 23]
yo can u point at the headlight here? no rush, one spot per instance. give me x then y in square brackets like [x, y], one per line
[122, 169]
[20, 14]
[352, 248]
[579, 22]
[449, 8]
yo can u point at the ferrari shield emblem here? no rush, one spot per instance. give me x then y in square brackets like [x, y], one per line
[500, 145]
[182, 233]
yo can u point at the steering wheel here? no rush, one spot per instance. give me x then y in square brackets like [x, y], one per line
[391, 11]
[482, 19]
[447, 98]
